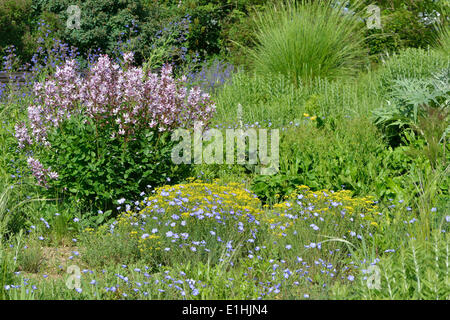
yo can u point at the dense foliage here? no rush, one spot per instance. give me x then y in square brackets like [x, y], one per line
[359, 205]
[107, 128]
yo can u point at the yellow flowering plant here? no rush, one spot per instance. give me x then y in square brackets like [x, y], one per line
[196, 220]
[309, 222]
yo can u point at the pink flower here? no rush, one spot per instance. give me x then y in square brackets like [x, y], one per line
[21, 134]
[128, 57]
[126, 100]
[39, 172]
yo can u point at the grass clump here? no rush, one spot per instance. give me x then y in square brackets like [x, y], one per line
[309, 39]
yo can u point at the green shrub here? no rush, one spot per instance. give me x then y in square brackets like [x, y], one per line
[204, 32]
[414, 99]
[112, 26]
[405, 24]
[238, 32]
[215, 24]
[15, 19]
[352, 155]
[101, 21]
[138, 25]
[401, 28]
[308, 40]
[95, 170]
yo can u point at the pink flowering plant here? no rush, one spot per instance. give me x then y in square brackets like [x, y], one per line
[106, 135]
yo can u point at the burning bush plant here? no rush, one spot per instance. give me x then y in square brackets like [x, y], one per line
[106, 135]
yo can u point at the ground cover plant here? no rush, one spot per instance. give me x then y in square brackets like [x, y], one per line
[93, 206]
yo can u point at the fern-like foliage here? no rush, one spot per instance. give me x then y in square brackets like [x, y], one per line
[409, 100]
[418, 270]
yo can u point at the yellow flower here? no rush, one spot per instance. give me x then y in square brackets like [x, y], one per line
[306, 115]
[313, 118]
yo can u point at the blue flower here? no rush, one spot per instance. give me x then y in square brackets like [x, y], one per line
[184, 235]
